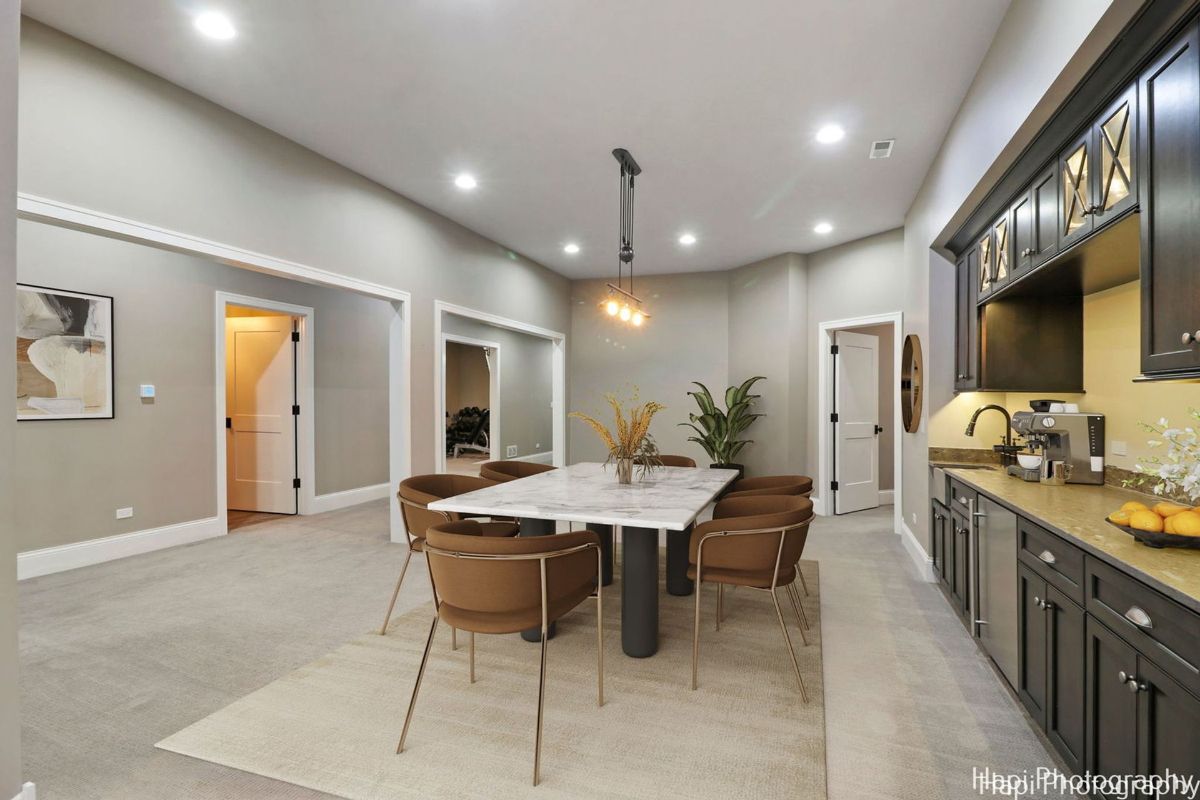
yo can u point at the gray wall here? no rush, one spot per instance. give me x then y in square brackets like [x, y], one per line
[526, 418]
[10, 714]
[160, 457]
[685, 340]
[100, 133]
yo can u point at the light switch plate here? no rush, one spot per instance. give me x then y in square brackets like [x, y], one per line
[125, 513]
[146, 391]
[510, 451]
[1120, 448]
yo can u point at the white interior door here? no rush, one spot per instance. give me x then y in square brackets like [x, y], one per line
[260, 434]
[856, 409]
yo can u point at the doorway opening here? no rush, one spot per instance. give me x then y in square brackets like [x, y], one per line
[264, 369]
[859, 414]
[471, 390]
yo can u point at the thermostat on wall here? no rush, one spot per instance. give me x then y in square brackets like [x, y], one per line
[146, 391]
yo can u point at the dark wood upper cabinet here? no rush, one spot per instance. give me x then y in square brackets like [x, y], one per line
[1044, 196]
[1169, 158]
[966, 333]
[1115, 188]
[985, 266]
[1075, 191]
[1022, 215]
[1001, 252]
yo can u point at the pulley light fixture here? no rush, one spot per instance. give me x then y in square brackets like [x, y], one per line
[621, 302]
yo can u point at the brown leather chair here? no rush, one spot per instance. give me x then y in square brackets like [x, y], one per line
[673, 461]
[755, 542]
[494, 585]
[770, 484]
[415, 494]
[505, 471]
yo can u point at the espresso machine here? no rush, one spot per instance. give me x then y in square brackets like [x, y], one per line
[1071, 444]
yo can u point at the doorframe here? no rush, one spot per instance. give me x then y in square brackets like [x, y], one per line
[67, 215]
[825, 331]
[306, 457]
[558, 373]
[494, 406]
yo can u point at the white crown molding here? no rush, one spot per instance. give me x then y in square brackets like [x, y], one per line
[916, 552]
[48, 560]
[349, 497]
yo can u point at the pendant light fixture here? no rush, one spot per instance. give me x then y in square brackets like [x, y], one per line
[621, 302]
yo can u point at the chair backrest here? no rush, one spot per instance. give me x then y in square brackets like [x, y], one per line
[771, 513]
[773, 484]
[421, 490]
[672, 461]
[504, 471]
[497, 581]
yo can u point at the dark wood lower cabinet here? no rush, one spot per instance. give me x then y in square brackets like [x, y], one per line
[1050, 674]
[957, 555]
[1168, 724]
[1112, 747]
[939, 517]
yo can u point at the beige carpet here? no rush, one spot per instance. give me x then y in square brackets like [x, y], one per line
[333, 725]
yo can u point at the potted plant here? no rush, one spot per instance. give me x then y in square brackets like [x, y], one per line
[630, 440]
[717, 430]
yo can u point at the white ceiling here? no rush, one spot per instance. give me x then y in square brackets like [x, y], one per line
[717, 99]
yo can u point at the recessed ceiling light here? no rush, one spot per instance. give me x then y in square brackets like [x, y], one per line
[215, 25]
[830, 134]
[687, 239]
[823, 227]
[465, 181]
[571, 248]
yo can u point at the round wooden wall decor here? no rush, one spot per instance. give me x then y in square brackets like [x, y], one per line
[912, 380]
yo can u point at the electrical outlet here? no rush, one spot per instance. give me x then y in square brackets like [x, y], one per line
[125, 513]
[1120, 448]
[510, 451]
[914, 516]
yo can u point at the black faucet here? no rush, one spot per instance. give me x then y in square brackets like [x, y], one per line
[1008, 442]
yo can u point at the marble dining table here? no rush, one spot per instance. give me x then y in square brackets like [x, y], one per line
[668, 498]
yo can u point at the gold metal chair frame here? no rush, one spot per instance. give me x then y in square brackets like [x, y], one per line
[542, 558]
[793, 595]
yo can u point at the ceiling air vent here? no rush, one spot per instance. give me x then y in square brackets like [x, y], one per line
[882, 148]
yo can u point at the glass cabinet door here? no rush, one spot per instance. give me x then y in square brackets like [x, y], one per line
[985, 269]
[1075, 166]
[1000, 252]
[1115, 188]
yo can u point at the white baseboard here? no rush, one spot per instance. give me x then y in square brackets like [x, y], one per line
[536, 458]
[819, 506]
[33, 563]
[887, 497]
[28, 792]
[921, 561]
[350, 497]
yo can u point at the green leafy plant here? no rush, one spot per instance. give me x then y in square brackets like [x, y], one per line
[718, 431]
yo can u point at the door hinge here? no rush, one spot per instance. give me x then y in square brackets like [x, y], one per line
[833, 349]
[833, 485]
[229, 422]
[833, 417]
[295, 483]
[295, 411]
[295, 336]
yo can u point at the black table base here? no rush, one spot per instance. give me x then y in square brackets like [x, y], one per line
[639, 591]
[537, 527]
[678, 583]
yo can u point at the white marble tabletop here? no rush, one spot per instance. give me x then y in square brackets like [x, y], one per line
[668, 498]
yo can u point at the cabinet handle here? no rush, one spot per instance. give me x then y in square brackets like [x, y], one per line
[962, 377]
[1047, 557]
[1188, 337]
[1140, 618]
[1136, 686]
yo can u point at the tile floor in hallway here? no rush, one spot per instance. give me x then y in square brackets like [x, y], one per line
[117, 656]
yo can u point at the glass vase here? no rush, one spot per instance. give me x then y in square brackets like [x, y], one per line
[624, 470]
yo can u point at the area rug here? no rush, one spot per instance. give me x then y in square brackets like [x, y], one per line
[333, 725]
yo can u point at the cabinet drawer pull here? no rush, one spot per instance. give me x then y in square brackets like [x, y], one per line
[962, 500]
[1140, 618]
[1048, 557]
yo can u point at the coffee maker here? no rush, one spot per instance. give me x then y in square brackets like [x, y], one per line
[1073, 440]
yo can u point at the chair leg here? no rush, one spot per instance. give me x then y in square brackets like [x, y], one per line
[720, 603]
[472, 657]
[395, 593]
[537, 751]
[454, 638]
[800, 605]
[412, 703]
[787, 640]
[803, 582]
[696, 634]
[599, 646]
[793, 595]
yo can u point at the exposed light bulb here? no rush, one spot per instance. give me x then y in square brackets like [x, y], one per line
[612, 307]
[625, 313]
[637, 318]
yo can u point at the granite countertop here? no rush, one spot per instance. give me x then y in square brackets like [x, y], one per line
[1078, 512]
[667, 498]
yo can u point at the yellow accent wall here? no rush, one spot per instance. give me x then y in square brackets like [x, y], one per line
[1111, 354]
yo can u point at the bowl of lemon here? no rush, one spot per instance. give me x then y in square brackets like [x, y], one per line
[1161, 525]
